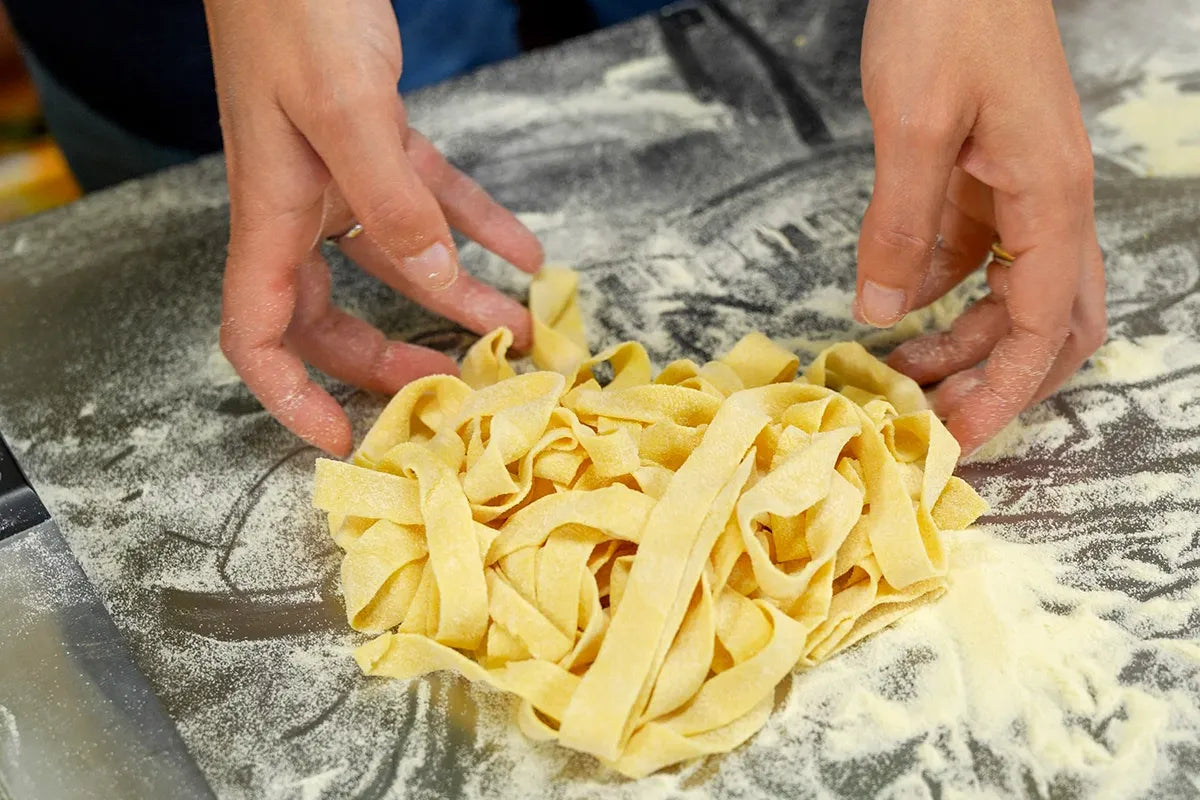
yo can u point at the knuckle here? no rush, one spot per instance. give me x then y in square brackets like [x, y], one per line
[469, 194]
[1076, 166]
[395, 212]
[896, 112]
[428, 163]
[1091, 337]
[335, 97]
[326, 322]
[1078, 170]
[904, 244]
[926, 129]
[933, 131]
[349, 100]
[230, 342]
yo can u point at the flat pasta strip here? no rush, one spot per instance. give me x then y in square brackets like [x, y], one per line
[642, 562]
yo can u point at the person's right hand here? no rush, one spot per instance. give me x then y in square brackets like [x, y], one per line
[978, 137]
[316, 138]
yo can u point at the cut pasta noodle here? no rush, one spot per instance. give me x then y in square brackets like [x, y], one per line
[640, 562]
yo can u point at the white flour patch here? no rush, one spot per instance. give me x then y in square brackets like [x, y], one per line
[633, 74]
[1132, 360]
[619, 111]
[146, 435]
[217, 368]
[10, 736]
[778, 237]
[313, 787]
[1012, 682]
[1155, 130]
[1020, 678]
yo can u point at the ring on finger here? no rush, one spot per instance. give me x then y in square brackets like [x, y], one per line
[1002, 256]
[352, 232]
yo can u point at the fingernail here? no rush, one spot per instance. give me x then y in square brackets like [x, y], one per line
[433, 268]
[881, 306]
[856, 311]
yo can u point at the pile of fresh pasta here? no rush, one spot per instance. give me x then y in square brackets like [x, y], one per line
[641, 561]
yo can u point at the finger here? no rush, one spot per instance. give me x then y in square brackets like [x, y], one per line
[965, 235]
[275, 203]
[1089, 327]
[279, 380]
[1046, 218]
[363, 146]
[913, 161]
[1042, 285]
[971, 337]
[953, 390]
[997, 278]
[954, 387]
[471, 210]
[971, 196]
[471, 303]
[258, 301]
[348, 348]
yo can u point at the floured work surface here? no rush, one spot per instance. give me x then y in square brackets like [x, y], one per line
[1062, 656]
[640, 562]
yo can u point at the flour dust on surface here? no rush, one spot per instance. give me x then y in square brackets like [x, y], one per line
[1062, 662]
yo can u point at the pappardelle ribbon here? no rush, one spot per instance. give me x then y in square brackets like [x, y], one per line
[640, 562]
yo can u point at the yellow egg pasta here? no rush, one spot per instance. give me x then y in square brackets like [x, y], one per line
[640, 562]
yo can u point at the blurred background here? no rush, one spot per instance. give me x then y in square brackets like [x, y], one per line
[33, 174]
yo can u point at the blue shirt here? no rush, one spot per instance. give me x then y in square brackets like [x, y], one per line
[146, 66]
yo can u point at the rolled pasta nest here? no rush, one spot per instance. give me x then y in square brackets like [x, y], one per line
[640, 562]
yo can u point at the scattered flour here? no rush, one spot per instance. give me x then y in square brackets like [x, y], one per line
[778, 237]
[614, 109]
[148, 435]
[1132, 360]
[1012, 683]
[313, 787]
[1042, 691]
[21, 245]
[636, 72]
[10, 736]
[1012, 440]
[217, 368]
[1062, 662]
[1156, 129]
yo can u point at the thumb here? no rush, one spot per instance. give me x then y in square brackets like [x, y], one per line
[899, 233]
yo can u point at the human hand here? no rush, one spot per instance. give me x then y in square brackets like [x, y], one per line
[978, 135]
[316, 138]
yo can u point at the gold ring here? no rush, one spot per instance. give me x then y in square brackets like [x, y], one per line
[354, 230]
[1000, 254]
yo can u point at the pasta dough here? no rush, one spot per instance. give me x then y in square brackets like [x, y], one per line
[640, 562]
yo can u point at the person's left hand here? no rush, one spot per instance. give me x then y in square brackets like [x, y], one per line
[978, 136]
